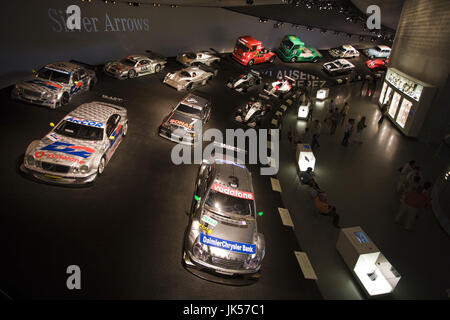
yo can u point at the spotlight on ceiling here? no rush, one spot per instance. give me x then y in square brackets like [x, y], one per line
[263, 20]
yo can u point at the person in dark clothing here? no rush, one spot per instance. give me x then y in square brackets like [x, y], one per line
[324, 208]
[310, 113]
[307, 177]
[335, 116]
[348, 132]
[384, 111]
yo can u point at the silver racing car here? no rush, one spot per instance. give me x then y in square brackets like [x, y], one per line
[135, 66]
[253, 113]
[55, 84]
[189, 78]
[245, 81]
[222, 236]
[193, 58]
[77, 150]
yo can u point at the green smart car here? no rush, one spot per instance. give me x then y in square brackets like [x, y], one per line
[292, 49]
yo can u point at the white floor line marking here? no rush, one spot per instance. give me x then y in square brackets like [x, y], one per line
[275, 184]
[305, 265]
[285, 217]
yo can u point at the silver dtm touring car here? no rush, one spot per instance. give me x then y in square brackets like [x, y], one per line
[194, 76]
[135, 66]
[184, 117]
[222, 236]
[77, 150]
[193, 58]
[245, 81]
[55, 84]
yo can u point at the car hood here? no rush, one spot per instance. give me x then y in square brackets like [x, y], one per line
[40, 85]
[179, 78]
[184, 59]
[182, 120]
[56, 148]
[120, 67]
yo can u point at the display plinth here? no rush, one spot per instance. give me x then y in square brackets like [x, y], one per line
[303, 112]
[322, 94]
[373, 271]
[305, 157]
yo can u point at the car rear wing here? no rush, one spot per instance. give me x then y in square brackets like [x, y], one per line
[154, 55]
[256, 73]
[206, 68]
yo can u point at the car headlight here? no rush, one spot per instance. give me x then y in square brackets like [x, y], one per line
[30, 160]
[199, 252]
[47, 95]
[252, 263]
[84, 168]
[75, 169]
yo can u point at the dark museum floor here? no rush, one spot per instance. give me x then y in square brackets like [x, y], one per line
[126, 231]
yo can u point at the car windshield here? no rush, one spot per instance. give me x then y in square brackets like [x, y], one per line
[288, 44]
[188, 109]
[185, 74]
[190, 55]
[128, 62]
[242, 47]
[225, 204]
[79, 131]
[53, 75]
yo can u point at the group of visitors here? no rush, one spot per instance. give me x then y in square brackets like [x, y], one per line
[415, 194]
[320, 197]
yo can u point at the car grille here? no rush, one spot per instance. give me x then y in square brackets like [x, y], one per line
[227, 264]
[55, 167]
[32, 93]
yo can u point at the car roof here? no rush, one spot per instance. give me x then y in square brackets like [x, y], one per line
[136, 57]
[249, 40]
[383, 47]
[195, 101]
[344, 61]
[95, 111]
[226, 171]
[348, 47]
[64, 67]
[294, 39]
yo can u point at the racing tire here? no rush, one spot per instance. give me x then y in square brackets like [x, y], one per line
[216, 72]
[101, 166]
[125, 129]
[250, 63]
[65, 98]
[271, 60]
[157, 68]
[92, 84]
[293, 59]
[315, 60]
[189, 87]
[131, 74]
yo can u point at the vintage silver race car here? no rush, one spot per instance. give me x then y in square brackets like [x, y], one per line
[339, 66]
[189, 78]
[193, 58]
[253, 112]
[135, 66]
[281, 88]
[180, 124]
[245, 81]
[222, 236]
[55, 84]
[77, 150]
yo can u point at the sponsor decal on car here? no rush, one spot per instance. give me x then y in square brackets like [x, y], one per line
[205, 229]
[40, 154]
[182, 123]
[209, 220]
[85, 122]
[227, 244]
[69, 148]
[49, 85]
[232, 192]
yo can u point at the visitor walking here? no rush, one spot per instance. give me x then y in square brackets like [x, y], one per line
[404, 171]
[331, 106]
[335, 116]
[359, 130]
[412, 204]
[348, 132]
[344, 112]
[310, 113]
[384, 111]
[315, 134]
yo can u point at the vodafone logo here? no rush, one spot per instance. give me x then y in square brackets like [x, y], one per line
[232, 192]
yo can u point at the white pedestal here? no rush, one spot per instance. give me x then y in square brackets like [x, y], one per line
[376, 275]
[322, 94]
[305, 157]
[303, 112]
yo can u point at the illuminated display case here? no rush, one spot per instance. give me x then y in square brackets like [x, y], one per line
[408, 101]
[305, 157]
[373, 271]
[322, 94]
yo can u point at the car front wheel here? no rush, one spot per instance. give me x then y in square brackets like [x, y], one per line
[125, 129]
[250, 63]
[101, 166]
[65, 98]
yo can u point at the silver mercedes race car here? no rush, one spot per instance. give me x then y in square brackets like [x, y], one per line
[253, 113]
[184, 117]
[222, 236]
[55, 84]
[189, 78]
[77, 150]
[193, 58]
[245, 81]
[135, 66]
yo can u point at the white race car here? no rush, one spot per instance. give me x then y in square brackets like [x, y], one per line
[339, 66]
[253, 112]
[245, 81]
[345, 51]
[280, 88]
[186, 79]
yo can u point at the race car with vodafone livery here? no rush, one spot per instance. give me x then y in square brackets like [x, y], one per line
[253, 112]
[181, 124]
[245, 81]
[191, 77]
[79, 147]
[135, 66]
[281, 88]
[55, 84]
[222, 236]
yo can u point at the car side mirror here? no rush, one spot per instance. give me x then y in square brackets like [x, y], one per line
[52, 124]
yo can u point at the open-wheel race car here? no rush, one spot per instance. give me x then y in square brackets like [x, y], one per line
[280, 88]
[253, 113]
[245, 81]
